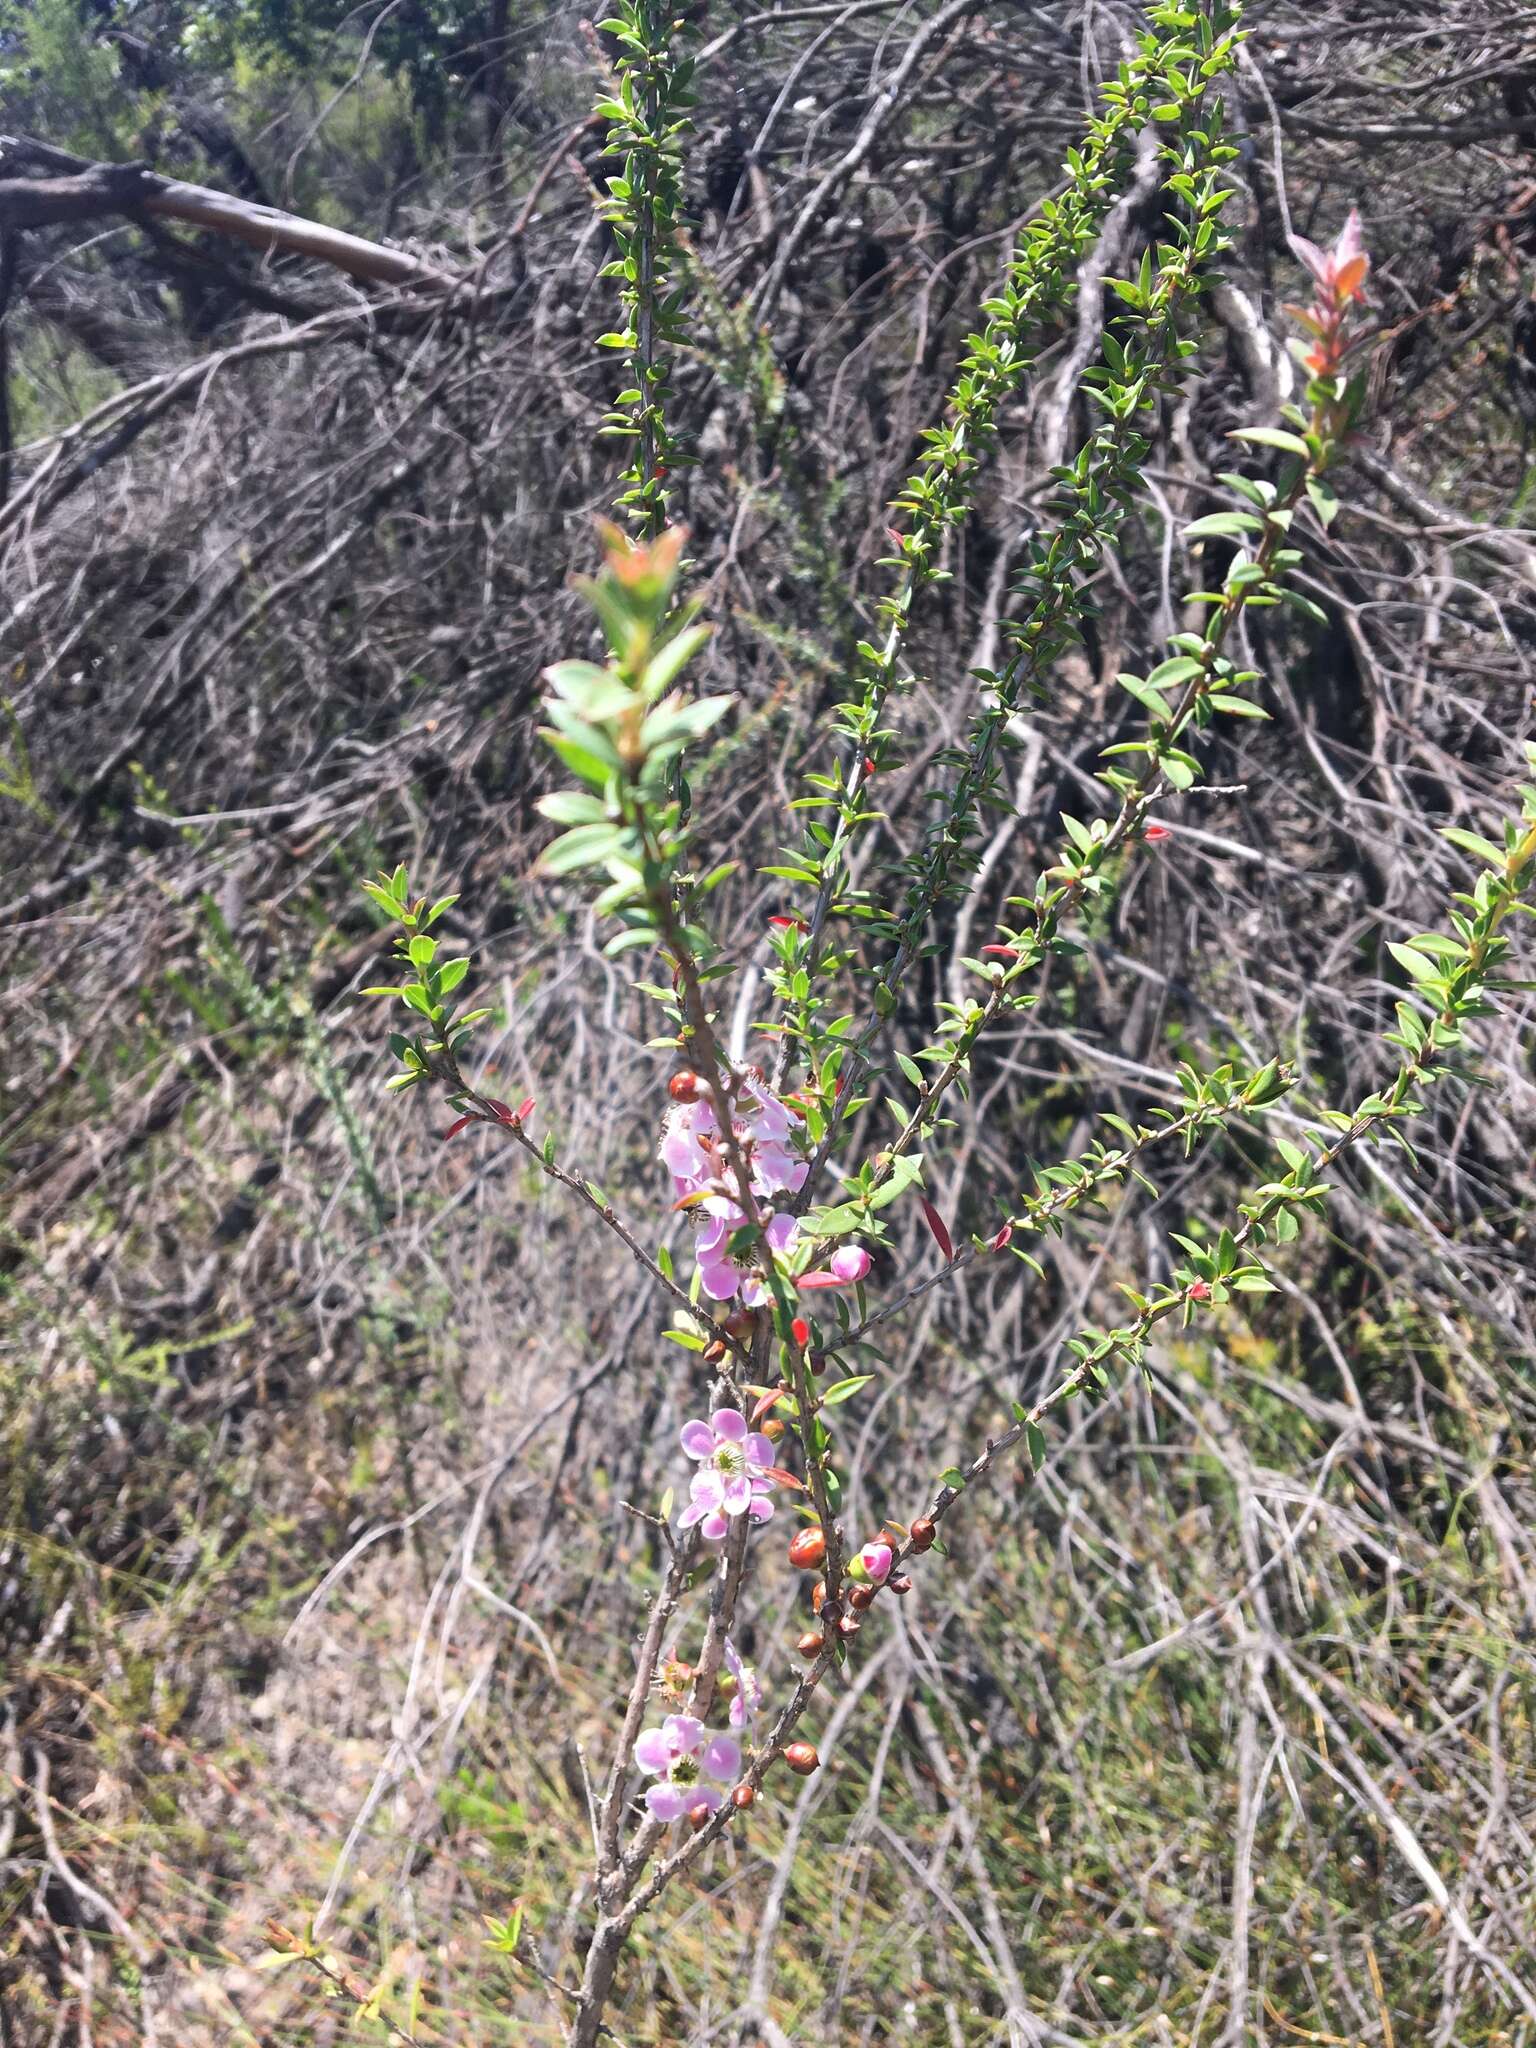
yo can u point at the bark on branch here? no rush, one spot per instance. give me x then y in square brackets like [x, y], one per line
[74, 190]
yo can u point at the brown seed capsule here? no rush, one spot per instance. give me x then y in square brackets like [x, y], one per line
[901, 1585]
[859, 1597]
[698, 1818]
[715, 1353]
[807, 1549]
[818, 1596]
[848, 1626]
[684, 1086]
[773, 1429]
[812, 1643]
[802, 1759]
[922, 1534]
[831, 1610]
[742, 1796]
[817, 1362]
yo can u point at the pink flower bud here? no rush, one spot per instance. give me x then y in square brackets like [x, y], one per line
[850, 1262]
[877, 1559]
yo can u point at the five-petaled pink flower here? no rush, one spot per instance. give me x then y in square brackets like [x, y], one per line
[679, 1753]
[732, 1479]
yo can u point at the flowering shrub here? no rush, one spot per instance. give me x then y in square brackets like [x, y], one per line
[787, 1228]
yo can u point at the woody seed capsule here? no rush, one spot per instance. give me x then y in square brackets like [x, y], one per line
[812, 1643]
[922, 1534]
[742, 1796]
[684, 1086]
[859, 1597]
[802, 1759]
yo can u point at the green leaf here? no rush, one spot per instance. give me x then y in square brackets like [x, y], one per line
[1034, 1439]
[1272, 437]
[584, 847]
[845, 1390]
[593, 692]
[1472, 842]
[572, 807]
[1419, 965]
[1224, 525]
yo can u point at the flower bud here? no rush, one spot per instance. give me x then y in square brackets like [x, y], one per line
[859, 1597]
[811, 1644]
[802, 1759]
[742, 1796]
[1200, 1290]
[800, 1330]
[921, 1534]
[684, 1086]
[698, 1817]
[807, 1548]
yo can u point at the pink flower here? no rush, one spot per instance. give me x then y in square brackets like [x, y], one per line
[877, 1559]
[766, 1136]
[747, 1699]
[846, 1268]
[720, 1274]
[677, 1752]
[733, 1462]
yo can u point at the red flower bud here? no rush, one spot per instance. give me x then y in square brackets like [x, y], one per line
[869, 767]
[807, 1549]
[921, 1534]
[802, 1759]
[1152, 833]
[1200, 1290]
[800, 1330]
[684, 1086]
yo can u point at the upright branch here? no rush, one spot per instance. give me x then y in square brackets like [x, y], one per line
[646, 109]
[1168, 79]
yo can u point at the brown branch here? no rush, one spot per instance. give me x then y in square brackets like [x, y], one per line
[84, 191]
